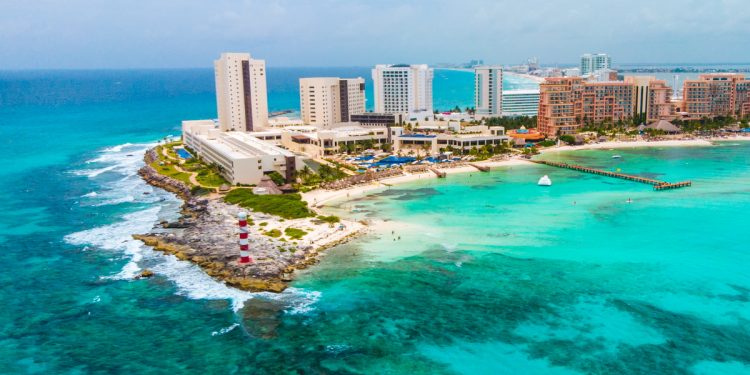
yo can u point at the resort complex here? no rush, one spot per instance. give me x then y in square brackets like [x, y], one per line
[573, 105]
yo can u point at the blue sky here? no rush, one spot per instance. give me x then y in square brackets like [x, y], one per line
[191, 33]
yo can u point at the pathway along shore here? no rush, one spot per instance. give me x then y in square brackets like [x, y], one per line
[207, 235]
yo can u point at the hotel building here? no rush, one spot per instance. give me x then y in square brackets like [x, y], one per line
[327, 101]
[566, 103]
[317, 143]
[241, 98]
[403, 89]
[466, 139]
[520, 102]
[591, 63]
[243, 158]
[720, 94]
[488, 91]
[653, 99]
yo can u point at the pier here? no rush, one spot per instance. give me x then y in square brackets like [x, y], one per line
[481, 168]
[657, 184]
[440, 174]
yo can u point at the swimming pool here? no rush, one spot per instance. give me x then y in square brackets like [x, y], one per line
[181, 152]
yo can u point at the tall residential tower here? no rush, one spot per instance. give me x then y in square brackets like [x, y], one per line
[325, 101]
[591, 63]
[403, 89]
[241, 98]
[488, 91]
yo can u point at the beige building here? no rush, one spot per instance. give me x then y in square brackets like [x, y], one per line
[488, 91]
[464, 140]
[325, 101]
[241, 98]
[317, 143]
[652, 98]
[242, 158]
[403, 89]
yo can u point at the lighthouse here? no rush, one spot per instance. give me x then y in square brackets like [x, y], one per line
[244, 245]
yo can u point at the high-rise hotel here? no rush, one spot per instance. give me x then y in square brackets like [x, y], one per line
[488, 91]
[403, 89]
[325, 101]
[718, 94]
[567, 103]
[591, 63]
[241, 98]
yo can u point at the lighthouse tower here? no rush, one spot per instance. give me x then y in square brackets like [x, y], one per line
[244, 245]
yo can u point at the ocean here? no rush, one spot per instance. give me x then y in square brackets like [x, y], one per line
[480, 273]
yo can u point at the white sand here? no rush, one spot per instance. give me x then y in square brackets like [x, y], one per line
[320, 197]
[630, 144]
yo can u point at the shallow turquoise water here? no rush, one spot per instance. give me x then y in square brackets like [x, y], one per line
[491, 274]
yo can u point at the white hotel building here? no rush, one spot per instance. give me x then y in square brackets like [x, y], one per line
[243, 158]
[326, 101]
[403, 89]
[520, 102]
[488, 91]
[241, 98]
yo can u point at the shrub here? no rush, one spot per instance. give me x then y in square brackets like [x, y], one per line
[329, 219]
[287, 206]
[294, 233]
[275, 233]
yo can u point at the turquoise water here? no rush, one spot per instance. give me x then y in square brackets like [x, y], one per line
[491, 274]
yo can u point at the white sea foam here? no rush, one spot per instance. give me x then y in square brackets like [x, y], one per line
[300, 301]
[188, 278]
[117, 148]
[225, 330]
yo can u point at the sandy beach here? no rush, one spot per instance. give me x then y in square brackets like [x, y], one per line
[320, 197]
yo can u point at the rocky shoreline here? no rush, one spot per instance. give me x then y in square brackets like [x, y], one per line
[207, 235]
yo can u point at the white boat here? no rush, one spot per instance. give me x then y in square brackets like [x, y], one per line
[545, 181]
[616, 156]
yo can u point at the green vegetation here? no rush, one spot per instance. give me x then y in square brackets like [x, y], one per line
[277, 178]
[166, 168]
[288, 206]
[547, 143]
[329, 219]
[295, 233]
[275, 233]
[206, 175]
[511, 123]
[263, 224]
[325, 173]
[480, 153]
[568, 139]
[709, 124]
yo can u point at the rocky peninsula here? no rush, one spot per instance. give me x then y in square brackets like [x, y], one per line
[207, 235]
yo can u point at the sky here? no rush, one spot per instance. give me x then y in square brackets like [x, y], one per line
[70, 34]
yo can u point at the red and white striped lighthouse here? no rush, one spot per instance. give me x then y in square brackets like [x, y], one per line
[244, 246]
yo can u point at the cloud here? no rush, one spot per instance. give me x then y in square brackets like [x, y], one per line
[190, 33]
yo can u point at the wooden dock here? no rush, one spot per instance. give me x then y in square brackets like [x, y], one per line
[657, 184]
[481, 168]
[440, 174]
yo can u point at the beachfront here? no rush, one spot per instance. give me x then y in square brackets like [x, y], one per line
[321, 197]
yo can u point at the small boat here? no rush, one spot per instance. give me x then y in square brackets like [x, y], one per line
[545, 181]
[616, 156]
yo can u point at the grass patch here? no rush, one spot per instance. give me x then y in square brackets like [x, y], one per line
[275, 233]
[263, 224]
[333, 219]
[169, 171]
[288, 206]
[295, 233]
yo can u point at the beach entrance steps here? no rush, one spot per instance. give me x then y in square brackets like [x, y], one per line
[481, 168]
[657, 184]
[440, 174]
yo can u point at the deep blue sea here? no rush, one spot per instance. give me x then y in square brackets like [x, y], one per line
[490, 273]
